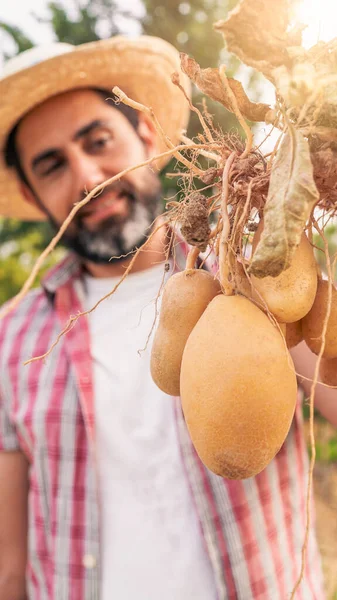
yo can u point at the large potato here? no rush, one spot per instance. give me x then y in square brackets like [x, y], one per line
[290, 295]
[312, 324]
[185, 297]
[238, 388]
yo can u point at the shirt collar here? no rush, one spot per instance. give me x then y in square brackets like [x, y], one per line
[68, 269]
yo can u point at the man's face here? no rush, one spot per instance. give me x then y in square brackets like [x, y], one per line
[70, 144]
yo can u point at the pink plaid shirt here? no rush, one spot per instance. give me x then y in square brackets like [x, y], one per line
[253, 530]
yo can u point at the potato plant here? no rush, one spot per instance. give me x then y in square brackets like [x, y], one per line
[223, 340]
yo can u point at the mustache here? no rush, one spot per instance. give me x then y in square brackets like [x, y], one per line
[119, 188]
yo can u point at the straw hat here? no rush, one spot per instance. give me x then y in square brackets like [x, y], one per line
[141, 67]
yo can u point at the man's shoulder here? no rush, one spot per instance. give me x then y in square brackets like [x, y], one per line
[38, 302]
[15, 316]
[20, 327]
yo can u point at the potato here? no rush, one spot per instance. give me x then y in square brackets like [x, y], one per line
[290, 295]
[294, 334]
[312, 323]
[328, 371]
[185, 297]
[291, 331]
[238, 388]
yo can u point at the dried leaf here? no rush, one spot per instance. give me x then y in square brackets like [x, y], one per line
[311, 83]
[291, 197]
[325, 174]
[324, 57]
[296, 85]
[325, 134]
[209, 82]
[257, 32]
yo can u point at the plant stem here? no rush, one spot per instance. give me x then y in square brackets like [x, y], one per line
[192, 257]
[149, 112]
[223, 247]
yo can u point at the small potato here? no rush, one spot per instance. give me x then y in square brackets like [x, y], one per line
[328, 371]
[185, 297]
[312, 323]
[294, 334]
[290, 295]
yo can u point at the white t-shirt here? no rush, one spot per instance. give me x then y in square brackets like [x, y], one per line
[152, 545]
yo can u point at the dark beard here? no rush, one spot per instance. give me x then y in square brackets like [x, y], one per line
[114, 240]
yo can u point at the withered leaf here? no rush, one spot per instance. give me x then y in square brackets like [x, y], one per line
[257, 32]
[324, 162]
[296, 85]
[312, 80]
[291, 196]
[209, 82]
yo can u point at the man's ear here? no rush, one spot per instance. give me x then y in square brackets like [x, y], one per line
[28, 195]
[147, 133]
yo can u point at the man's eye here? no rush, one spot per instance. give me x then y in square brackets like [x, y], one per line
[100, 141]
[52, 167]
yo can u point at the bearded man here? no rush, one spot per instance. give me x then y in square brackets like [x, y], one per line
[102, 495]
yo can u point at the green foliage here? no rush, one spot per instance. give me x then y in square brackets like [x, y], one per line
[76, 32]
[325, 445]
[189, 27]
[20, 246]
[21, 41]
[85, 27]
[326, 451]
[330, 232]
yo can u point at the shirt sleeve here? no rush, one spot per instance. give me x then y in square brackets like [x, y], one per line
[8, 436]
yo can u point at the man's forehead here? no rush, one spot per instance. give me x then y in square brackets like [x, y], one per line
[86, 99]
[61, 116]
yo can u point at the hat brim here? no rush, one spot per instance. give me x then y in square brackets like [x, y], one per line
[141, 67]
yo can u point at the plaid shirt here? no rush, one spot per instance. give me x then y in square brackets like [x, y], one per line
[253, 529]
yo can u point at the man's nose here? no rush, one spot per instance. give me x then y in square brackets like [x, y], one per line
[87, 173]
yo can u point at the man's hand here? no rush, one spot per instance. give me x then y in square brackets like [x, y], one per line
[325, 398]
[13, 525]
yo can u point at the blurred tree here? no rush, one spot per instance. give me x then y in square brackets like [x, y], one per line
[93, 16]
[189, 27]
[77, 31]
[21, 41]
[20, 246]
[330, 232]
[92, 20]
